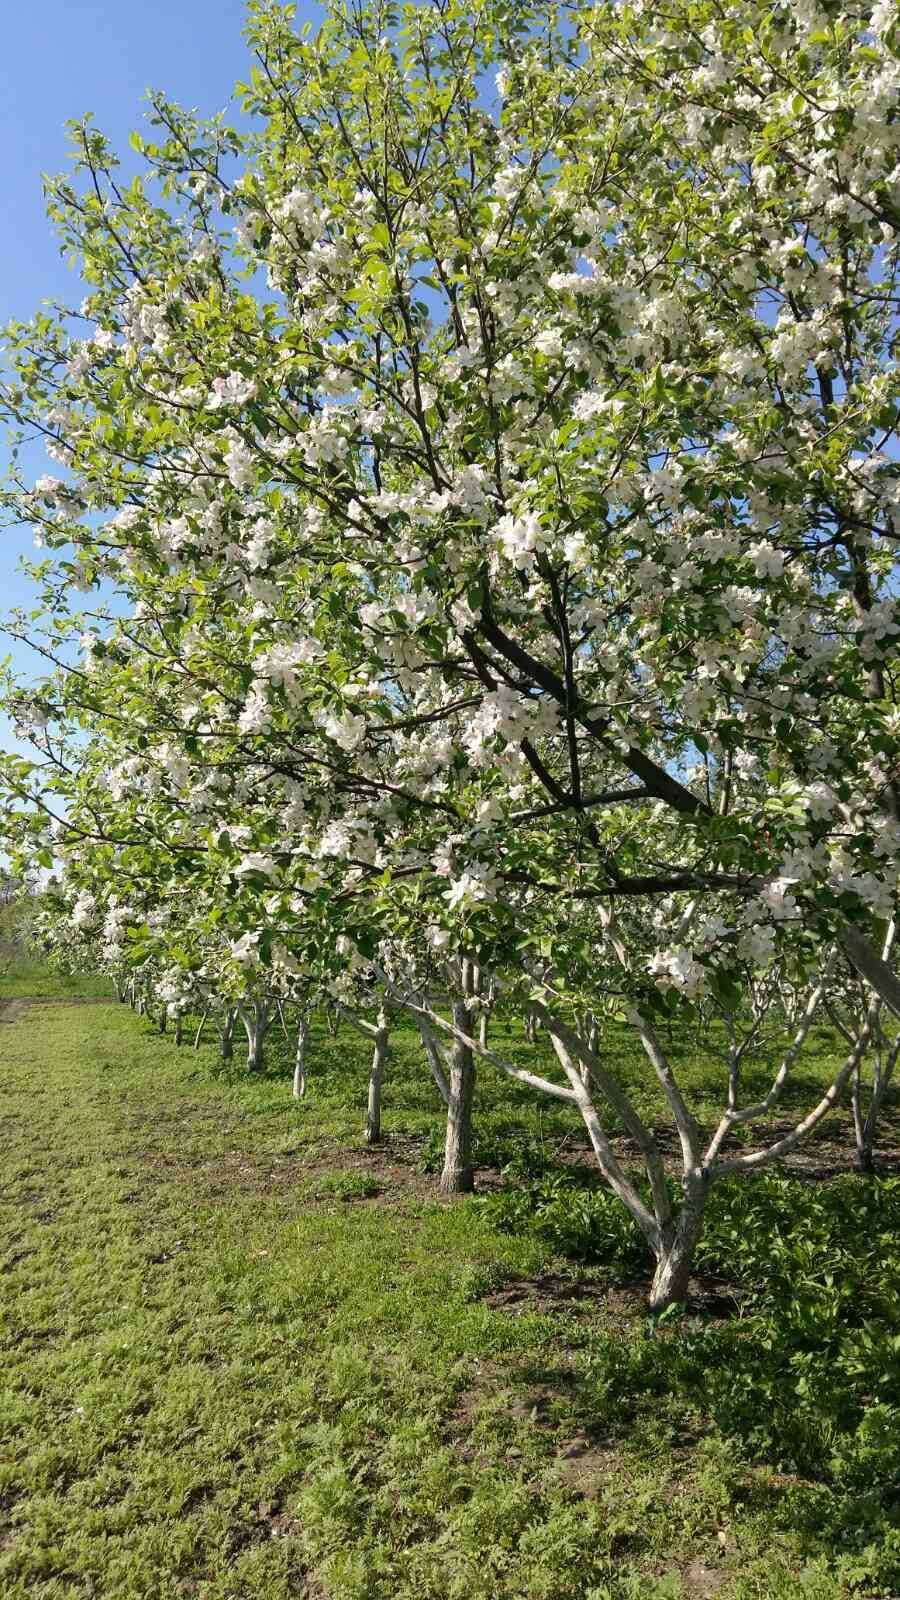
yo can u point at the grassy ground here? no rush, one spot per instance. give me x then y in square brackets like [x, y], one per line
[243, 1356]
[23, 972]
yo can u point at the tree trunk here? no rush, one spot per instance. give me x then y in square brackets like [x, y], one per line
[673, 1266]
[457, 1176]
[227, 1040]
[865, 1126]
[299, 1084]
[163, 1020]
[178, 1028]
[199, 1034]
[883, 1068]
[376, 1075]
[255, 1027]
[433, 1057]
[865, 1158]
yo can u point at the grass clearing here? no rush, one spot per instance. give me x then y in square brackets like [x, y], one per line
[245, 1355]
[23, 973]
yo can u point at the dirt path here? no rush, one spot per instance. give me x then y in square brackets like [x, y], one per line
[13, 1010]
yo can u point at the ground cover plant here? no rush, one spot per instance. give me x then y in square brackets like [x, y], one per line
[247, 1353]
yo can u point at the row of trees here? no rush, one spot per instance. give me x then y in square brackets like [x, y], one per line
[481, 476]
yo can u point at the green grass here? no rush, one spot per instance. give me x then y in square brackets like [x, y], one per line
[25, 976]
[347, 1186]
[244, 1356]
[23, 973]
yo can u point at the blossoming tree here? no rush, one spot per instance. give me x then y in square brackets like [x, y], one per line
[491, 453]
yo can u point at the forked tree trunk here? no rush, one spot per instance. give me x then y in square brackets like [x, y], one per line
[299, 1084]
[255, 1027]
[376, 1077]
[673, 1263]
[457, 1176]
[865, 1122]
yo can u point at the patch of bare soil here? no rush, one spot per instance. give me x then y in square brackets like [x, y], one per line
[548, 1292]
[393, 1165]
[829, 1155]
[555, 1293]
[10, 1010]
[701, 1582]
[14, 1010]
[583, 1463]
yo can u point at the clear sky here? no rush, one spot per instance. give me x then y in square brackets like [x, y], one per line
[61, 59]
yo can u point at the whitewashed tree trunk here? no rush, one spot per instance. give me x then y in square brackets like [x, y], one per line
[672, 1237]
[299, 1084]
[487, 992]
[256, 1023]
[457, 1176]
[376, 1078]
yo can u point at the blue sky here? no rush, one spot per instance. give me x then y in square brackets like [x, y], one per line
[64, 58]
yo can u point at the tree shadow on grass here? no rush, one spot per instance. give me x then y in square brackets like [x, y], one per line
[788, 1347]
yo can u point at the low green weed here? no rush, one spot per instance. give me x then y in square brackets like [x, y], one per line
[800, 1366]
[347, 1185]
